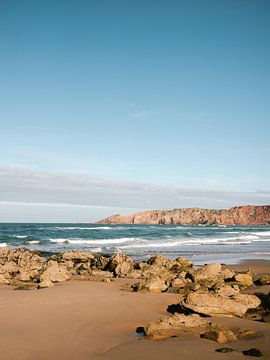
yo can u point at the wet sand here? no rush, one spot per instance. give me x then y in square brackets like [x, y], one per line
[97, 320]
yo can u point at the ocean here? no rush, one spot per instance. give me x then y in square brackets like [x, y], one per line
[202, 244]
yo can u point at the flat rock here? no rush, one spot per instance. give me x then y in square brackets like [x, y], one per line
[215, 305]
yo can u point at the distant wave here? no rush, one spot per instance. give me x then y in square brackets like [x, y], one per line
[33, 242]
[92, 241]
[75, 228]
[20, 236]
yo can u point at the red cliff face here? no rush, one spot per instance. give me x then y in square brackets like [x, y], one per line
[240, 215]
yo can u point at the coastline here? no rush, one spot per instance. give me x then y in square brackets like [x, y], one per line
[98, 319]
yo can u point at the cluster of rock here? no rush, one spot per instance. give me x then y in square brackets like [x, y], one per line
[239, 215]
[208, 290]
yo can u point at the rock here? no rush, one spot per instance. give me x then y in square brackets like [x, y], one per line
[171, 325]
[178, 283]
[207, 272]
[55, 272]
[224, 350]
[156, 285]
[250, 301]
[253, 352]
[20, 262]
[227, 274]
[135, 274]
[244, 279]
[219, 334]
[3, 280]
[23, 276]
[45, 284]
[158, 260]
[263, 280]
[226, 290]
[120, 264]
[77, 256]
[184, 262]
[215, 305]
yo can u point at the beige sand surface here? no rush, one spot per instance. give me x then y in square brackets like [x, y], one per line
[96, 320]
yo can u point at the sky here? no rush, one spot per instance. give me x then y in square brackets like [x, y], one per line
[110, 106]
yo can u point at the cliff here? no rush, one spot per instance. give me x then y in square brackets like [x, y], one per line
[240, 215]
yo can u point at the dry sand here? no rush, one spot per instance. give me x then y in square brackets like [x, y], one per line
[90, 320]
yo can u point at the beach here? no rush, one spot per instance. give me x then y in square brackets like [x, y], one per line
[98, 320]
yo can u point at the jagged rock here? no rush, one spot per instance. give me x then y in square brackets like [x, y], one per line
[77, 256]
[212, 304]
[158, 260]
[227, 274]
[219, 334]
[244, 279]
[184, 262]
[120, 264]
[45, 284]
[156, 285]
[55, 272]
[178, 283]
[171, 325]
[20, 263]
[208, 272]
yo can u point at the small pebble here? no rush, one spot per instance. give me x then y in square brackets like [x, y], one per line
[253, 352]
[224, 350]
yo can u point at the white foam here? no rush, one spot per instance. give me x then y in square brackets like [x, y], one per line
[20, 236]
[81, 228]
[262, 233]
[33, 242]
[3, 244]
[93, 241]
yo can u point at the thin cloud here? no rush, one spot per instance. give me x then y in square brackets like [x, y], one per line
[24, 185]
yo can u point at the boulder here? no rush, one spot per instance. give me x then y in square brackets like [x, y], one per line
[172, 325]
[244, 279]
[184, 262]
[227, 274]
[219, 334]
[55, 272]
[212, 304]
[178, 283]
[263, 280]
[120, 264]
[156, 285]
[45, 284]
[77, 256]
[207, 272]
[158, 260]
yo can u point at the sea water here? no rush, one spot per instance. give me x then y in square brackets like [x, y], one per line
[202, 244]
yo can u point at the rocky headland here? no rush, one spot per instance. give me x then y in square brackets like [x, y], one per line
[240, 215]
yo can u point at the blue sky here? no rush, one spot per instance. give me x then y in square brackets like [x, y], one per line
[153, 97]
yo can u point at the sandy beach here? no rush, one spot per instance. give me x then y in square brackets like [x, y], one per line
[98, 320]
